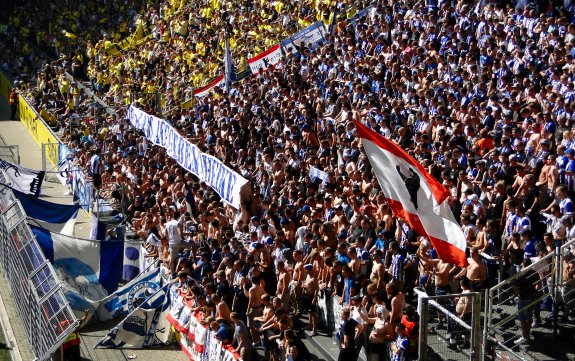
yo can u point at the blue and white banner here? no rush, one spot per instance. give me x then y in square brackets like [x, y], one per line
[315, 173]
[211, 170]
[313, 35]
[90, 269]
[22, 179]
[46, 211]
[129, 297]
[82, 189]
[133, 260]
[66, 170]
[146, 326]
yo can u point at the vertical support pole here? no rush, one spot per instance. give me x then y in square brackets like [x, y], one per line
[486, 321]
[423, 326]
[44, 157]
[476, 328]
[556, 288]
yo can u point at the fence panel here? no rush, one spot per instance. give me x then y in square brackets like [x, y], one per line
[450, 327]
[11, 152]
[503, 305]
[50, 151]
[566, 285]
[45, 313]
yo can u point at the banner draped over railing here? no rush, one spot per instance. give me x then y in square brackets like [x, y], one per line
[196, 340]
[226, 182]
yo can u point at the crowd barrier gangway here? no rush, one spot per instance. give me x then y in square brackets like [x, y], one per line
[443, 332]
[565, 289]
[501, 304]
[47, 318]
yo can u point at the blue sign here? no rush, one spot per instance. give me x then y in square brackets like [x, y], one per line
[313, 35]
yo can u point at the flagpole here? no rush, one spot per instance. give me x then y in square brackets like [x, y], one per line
[229, 72]
[226, 61]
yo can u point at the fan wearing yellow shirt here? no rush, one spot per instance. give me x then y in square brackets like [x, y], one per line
[49, 118]
[64, 85]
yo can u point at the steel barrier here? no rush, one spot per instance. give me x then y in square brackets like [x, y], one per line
[553, 301]
[47, 318]
[449, 326]
[11, 152]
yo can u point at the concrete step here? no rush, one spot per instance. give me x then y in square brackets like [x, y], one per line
[324, 345]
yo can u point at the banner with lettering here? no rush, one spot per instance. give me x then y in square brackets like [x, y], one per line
[226, 182]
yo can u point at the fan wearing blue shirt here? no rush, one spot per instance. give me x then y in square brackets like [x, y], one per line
[530, 246]
[341, 253]
[382, 241]
[400, 345]
[563, 201]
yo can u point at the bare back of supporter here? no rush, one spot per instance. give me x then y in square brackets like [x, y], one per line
[441, 273]
[255, 306]
[173, 231]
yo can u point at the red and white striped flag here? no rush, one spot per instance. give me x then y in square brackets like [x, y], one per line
[205, 90]
[414, 195]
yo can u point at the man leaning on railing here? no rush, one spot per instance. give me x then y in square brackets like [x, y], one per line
[528, 288]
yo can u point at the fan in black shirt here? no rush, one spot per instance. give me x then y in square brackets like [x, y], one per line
[527, 287]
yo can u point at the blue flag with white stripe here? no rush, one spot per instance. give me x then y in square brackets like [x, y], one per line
[90, 270]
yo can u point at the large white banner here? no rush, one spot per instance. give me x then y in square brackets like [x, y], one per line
[211, 170]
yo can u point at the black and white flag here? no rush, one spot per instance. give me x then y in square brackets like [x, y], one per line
[23, 179]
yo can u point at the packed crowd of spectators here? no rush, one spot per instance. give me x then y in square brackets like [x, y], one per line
[480, 94]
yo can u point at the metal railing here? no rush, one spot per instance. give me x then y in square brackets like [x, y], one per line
[10, 152]
[565, 291]
[553, 290]
[449, 326]
[42, 307]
